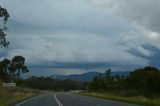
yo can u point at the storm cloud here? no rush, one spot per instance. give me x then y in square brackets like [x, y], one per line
[83, 34]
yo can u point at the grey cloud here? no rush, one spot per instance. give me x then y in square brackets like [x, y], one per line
[142, 12]
[65, 15]
[74, 48]
[75, 34]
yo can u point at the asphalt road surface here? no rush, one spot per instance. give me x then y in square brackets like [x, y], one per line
[68, 99]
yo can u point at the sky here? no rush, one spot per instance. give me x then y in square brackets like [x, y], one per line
[77, 36]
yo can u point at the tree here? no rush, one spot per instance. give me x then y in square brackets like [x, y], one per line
[97, 84]
[25, 69]
[4, 15]
[4, 74]
[108, 74]
[18, 65]
[10, 70]
[145, 79]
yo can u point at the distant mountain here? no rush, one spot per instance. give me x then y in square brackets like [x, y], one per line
[88, 76]
[84, 77]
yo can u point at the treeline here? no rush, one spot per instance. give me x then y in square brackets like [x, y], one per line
[143, 81]
[49, 83]
[10, 70]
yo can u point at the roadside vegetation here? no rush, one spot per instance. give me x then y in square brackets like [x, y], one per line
[52, 84]
[11, 95]
[139, 100]
[142, 87]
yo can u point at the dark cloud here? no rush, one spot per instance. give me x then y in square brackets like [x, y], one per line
[82, 35]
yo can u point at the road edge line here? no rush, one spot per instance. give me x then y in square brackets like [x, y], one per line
[26, 100]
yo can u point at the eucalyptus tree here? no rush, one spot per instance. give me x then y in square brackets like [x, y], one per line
[18, 65]
[4, 15]
[108, 74]
[4, 70]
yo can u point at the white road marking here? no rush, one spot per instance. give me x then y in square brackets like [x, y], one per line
[58, 102]
[26, 101]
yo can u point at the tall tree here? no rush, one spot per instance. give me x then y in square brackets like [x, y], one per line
[4, 15]
[4, 74]
[18, 64]
[108, 74]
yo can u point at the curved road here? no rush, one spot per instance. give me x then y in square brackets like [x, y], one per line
[68, 99]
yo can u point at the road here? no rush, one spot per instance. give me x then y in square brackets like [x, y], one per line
[68, 99]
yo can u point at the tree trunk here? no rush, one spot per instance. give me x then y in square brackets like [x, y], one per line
[1, 83]
[18, 73]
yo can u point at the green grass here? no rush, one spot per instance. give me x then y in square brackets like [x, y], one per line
[139, 100]
[8, 96]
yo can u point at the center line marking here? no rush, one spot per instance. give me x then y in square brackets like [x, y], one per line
[58, 102]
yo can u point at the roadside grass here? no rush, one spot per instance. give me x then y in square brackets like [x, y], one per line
[8, 96]
[139, 100]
